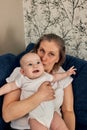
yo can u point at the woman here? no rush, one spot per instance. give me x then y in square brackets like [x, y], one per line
[51, 50]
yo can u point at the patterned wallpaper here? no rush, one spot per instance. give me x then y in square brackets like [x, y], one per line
[67, 18]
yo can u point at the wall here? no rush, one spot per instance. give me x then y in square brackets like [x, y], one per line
[11, 26]
[67, 18]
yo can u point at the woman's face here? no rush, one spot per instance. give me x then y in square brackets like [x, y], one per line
[49, 54]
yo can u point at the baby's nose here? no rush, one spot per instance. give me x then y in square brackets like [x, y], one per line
[35, 65]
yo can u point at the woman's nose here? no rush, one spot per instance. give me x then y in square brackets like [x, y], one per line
[44, 57]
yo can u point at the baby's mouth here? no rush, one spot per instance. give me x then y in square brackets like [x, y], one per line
[35, 71]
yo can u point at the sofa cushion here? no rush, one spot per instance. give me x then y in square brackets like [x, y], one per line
[7, 64]
[3, 125]
[79, 87]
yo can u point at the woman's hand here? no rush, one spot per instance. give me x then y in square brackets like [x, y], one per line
[46, 92]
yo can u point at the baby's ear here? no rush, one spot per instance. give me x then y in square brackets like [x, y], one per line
[22, 71]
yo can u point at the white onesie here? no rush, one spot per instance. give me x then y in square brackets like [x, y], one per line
[44, 112]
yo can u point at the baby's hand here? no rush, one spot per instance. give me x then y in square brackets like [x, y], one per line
[71, 71]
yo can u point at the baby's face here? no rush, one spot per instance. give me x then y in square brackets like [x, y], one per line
[32, 66]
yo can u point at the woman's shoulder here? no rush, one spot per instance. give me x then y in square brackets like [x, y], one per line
[61, 69]
[66, 81]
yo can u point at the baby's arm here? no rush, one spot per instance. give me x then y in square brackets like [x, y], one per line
[69, 72]
[8, 87]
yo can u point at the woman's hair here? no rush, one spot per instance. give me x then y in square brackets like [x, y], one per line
[60, 43]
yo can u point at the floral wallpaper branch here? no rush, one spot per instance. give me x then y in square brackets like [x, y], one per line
[67, 18]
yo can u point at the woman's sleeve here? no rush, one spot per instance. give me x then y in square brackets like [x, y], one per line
[66, 81]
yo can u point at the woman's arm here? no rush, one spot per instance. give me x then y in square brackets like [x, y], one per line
[13, 108]
[67, 108]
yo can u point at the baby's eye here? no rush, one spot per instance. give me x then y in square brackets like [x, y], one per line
[38, 62]
[30, 64]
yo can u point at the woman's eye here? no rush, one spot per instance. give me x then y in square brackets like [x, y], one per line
[51, 54]
[41, 50]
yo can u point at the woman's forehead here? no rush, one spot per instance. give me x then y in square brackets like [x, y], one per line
[49, 45]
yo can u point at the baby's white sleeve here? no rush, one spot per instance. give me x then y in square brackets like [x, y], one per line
[19, 81]
[14, 75]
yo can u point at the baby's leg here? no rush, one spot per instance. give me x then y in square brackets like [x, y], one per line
[35, 125]
[58, 123]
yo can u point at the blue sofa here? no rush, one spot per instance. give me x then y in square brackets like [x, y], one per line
[9, 61]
